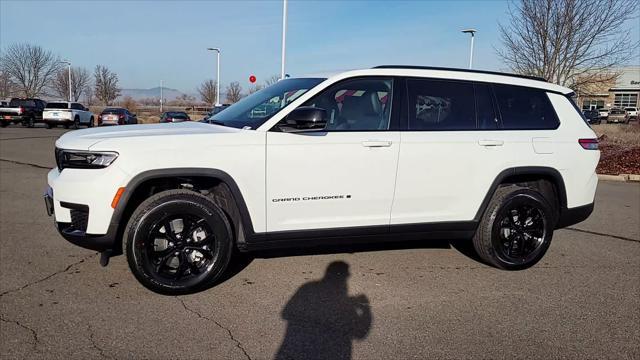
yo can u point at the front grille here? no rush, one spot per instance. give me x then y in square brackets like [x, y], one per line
[79, 219]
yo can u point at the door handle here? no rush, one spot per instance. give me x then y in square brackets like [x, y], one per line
[376, 143]
[491, 142]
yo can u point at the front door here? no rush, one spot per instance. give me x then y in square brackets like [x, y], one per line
[343, 176]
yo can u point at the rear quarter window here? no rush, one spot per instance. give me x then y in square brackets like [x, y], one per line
[523, 108]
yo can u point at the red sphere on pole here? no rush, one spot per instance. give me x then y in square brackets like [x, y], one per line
[252, 79]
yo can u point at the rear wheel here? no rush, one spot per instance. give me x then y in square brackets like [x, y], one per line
[178, 242]
[90, 122]
[76, 122]
[516, 229]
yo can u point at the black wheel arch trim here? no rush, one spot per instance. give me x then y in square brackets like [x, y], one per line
[525, 170]
[142, 177]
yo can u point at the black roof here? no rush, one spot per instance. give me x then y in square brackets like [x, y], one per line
[459, 70]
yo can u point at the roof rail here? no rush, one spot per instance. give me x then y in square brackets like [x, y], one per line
[460, 70]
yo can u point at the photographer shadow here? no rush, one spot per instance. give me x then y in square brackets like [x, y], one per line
[323, 320]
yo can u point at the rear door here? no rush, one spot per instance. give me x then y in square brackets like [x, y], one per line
[449, 154]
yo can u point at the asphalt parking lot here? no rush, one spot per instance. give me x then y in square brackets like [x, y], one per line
[398, 301]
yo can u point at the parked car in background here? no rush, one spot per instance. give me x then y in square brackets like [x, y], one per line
[631, 113]
[592, 116]
[25, 111]
[604, 113]
[174, 116]
[214, 111]
[67, 114]
[617, 115]
[116, 116]
[4, 103]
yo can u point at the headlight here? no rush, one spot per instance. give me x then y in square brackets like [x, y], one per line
[84, 159]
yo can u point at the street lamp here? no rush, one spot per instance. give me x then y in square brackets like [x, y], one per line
[284, 38]
[472, 32]
[217, 50]
[69, 64]
[161, 86]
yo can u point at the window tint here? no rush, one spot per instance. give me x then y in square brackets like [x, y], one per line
[487, 119]
[441, 105]
[77, 106]
[524, 108]
[356, 105]
[57, 105]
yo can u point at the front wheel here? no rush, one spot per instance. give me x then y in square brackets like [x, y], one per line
[76, 123]
[177, 242]
[90, 122]
[516, 228]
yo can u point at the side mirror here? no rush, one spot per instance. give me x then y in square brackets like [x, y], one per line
[305, 118]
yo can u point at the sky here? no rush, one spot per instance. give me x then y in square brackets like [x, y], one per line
[146, 41]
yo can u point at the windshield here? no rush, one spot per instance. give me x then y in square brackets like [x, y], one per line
[260, 106]
[57, 106]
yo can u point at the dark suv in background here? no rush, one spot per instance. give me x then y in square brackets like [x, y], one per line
[592, 116]
[174, 116]
[116, 116]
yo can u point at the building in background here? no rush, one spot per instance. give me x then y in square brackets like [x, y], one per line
[622, 93]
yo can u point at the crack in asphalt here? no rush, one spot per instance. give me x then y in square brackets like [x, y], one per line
[48, 276]
[238, 344]
[34, 334]
[27, 164]
[602, 234]
[102, 351]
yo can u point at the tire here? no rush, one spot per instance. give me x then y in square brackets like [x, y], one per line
[76, 123]
[4, 124]
[29, 122]
[203, 251]
[90, 122]
[503, 240]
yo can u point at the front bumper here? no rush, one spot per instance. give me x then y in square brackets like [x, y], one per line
[80, 202]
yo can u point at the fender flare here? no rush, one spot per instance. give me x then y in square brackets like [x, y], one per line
[525, 170]
[142, 177]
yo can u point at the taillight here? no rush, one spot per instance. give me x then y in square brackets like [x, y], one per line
[20, 110]
[589, 144]
[121, 116]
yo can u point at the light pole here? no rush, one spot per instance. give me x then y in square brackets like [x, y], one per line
[69, 64]
[217, 50]
[161, 97]
[472, 32]
[284, 37]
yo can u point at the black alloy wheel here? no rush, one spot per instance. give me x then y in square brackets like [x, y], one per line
[178, 242]
[516, 229]
[519, 233]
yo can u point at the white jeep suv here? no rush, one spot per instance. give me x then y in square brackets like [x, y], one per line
[67, 114]
[389, 153]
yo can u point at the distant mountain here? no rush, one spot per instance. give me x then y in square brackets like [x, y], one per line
[138, 94]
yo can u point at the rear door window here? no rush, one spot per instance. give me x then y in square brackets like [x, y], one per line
[487, 118]
[57, 105]
[523, 108]
[440, 105]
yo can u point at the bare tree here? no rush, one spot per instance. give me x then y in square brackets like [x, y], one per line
[129, 103]
[29, 67]
[234, 92]
[272, 80]
[573, 43]
[106, 85]
[89, 95]
[7, 87]
[80, 80]
[255, 88]
[208, 91]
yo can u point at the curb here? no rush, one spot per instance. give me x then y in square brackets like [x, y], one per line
[621, 177]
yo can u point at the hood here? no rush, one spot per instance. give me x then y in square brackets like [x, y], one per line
[86, 138]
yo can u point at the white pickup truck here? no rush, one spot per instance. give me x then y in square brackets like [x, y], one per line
[67, 114]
